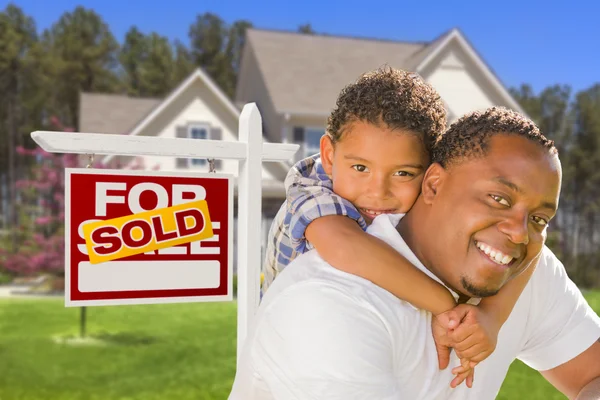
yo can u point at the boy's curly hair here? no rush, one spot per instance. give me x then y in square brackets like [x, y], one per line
[391, 97]
[469, 136]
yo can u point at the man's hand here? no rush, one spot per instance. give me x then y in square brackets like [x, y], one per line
[471, 333]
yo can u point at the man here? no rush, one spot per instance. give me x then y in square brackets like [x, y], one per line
[480, 220]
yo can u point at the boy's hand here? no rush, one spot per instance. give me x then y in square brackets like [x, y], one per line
[476, 336]
[465, 371]
[473, 335]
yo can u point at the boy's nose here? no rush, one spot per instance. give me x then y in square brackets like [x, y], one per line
[379, 188]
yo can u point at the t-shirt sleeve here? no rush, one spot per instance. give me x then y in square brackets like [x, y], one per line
[315, 342]
[310, 197]
[562, 323]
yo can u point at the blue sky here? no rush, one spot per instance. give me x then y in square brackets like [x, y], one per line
[538, 42]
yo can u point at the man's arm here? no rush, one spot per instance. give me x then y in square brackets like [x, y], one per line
[578, 378]
[562, 331]
[315, 342]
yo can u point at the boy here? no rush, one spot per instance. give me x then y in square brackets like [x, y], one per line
[372, 161]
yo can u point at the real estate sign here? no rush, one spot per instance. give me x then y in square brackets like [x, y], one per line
[141, 237]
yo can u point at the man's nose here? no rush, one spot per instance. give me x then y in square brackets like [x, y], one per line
[516, 227]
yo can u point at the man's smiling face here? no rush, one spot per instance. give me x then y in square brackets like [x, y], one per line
[492, 214]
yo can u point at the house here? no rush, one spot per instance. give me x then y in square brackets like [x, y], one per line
[294, 79]
[197, 108]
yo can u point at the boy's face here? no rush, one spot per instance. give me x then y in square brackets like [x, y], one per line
[377, 169]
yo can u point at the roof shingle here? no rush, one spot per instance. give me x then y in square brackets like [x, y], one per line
[305, 73]
[111, 113]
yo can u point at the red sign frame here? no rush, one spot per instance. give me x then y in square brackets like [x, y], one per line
[192, 272]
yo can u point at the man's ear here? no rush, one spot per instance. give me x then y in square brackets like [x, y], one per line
[327, 151]
[432, 182]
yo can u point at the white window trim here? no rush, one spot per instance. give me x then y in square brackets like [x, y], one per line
[205, 126]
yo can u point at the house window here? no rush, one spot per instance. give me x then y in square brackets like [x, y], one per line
[312, 141]
[198, 132]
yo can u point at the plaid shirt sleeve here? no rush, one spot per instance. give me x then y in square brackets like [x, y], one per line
[310, 195]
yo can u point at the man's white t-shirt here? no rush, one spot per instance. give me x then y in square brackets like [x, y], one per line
[321, 333]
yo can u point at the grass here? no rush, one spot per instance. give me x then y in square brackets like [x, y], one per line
[174, 351]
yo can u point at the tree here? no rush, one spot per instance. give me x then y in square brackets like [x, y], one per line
[131, 56]
[586, 179]
[158, 67]
[217, 48]
[41, 231]
[207, 35]
[83, 55]
[183, 64]
[208, 40]
[19, 96]
[306, 29]
[148, 63]
[236, 39]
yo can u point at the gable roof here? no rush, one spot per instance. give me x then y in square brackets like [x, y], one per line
[277, 169]
[121, 114]
[305, 73]
[162, 104]
[487, 71]
[112, 113]
[198, 74]
[417, 59]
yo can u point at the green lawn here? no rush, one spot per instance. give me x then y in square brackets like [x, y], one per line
[157, 352]
[179, 351]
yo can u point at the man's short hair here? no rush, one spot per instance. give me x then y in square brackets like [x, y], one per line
[469, 136]
[392, 98]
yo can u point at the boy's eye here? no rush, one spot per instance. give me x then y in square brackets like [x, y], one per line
[359, 168]
[500, 200]
[539, 220]
[404, 173]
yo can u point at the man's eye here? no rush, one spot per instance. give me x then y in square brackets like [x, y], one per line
[539, 220]
[500, 200]
[359, 168]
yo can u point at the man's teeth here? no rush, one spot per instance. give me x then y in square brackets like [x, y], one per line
[494, 254]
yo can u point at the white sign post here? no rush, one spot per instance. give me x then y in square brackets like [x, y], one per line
[250, 151]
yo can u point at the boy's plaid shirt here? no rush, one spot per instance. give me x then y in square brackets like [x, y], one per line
[310, 195]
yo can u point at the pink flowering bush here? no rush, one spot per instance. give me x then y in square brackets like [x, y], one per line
[40, 234]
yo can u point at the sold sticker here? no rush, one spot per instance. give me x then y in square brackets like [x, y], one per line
[147, 231]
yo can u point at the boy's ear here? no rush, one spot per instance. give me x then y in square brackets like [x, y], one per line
[327, 150]
[432, 182]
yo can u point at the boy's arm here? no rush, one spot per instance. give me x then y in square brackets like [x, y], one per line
[476, 336]
[501, 305]
[364, 255]
[310, 198]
